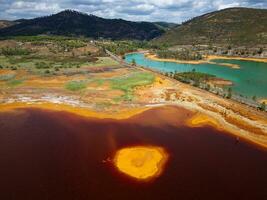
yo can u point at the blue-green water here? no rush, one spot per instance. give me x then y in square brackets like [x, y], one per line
[250, 80]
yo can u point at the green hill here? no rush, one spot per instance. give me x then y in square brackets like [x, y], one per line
[73, 23]
[240, 26]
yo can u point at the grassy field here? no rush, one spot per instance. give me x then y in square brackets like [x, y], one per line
[15, 82]
[127, 84]
[75, 85]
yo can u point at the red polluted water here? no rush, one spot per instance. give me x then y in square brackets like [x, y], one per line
[58, 155]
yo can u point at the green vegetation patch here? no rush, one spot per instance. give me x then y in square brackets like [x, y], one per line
[14, 51]
[68, 42]
[39, 63]
[127, 46]
[14, 83]
[193, 76]
[6, 77]
[75, 85]
[179, 55]
[73, 44]
[127, 84]
[97, 81]
[102, 62]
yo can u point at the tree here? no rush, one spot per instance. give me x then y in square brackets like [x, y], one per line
[133, 62]
[260, 50]
[229, 95]
[254, 98]
[207, 87]
[196, 83]
[263, 106]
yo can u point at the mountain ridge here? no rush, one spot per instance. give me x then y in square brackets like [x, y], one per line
[74, 23]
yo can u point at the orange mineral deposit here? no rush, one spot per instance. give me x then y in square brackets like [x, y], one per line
[141, 162]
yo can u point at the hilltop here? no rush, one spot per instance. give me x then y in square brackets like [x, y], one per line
[73, 23]
[240, 26]
[6, 23]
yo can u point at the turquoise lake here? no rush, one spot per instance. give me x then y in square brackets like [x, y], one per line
[249, 80]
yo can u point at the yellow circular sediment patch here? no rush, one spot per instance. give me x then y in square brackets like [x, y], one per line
[142, 163]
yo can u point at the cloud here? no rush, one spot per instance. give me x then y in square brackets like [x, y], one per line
[136, 10]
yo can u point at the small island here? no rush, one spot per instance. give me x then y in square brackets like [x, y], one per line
[141, 162]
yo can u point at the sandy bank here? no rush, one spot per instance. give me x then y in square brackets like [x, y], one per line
[194, 62]
[207, 59]
[263, 101]
[220, 82]
[212, 57]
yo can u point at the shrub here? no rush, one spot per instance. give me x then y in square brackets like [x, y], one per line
[262, 106]
[133, 62]
[254, 98]
[41, 65]
[260, 50]
[229, 94]
[14, 51]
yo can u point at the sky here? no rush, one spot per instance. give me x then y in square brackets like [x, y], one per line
[175, 11]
